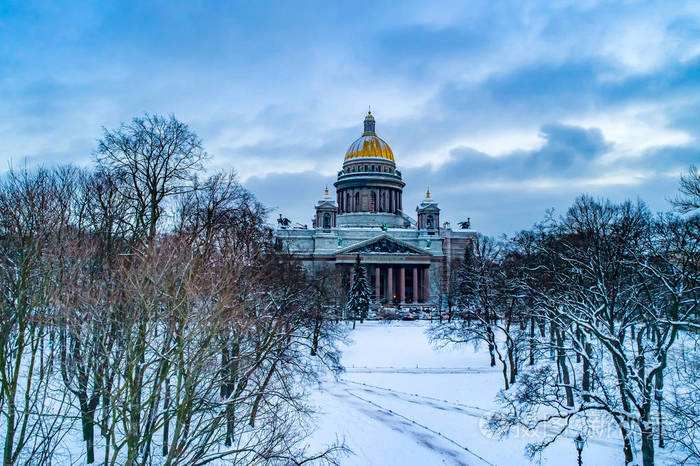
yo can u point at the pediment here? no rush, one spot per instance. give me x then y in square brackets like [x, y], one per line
[326, 205]
[383, 244]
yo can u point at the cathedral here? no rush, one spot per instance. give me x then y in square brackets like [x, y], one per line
[407, 259]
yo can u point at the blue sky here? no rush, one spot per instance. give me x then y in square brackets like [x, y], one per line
[505, 109]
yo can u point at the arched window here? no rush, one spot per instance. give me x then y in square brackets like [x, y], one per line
[430, 222]
[326, 221]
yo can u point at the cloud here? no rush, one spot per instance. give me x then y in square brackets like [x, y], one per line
[566, 149]
[504, 108]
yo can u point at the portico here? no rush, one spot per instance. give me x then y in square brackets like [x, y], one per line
[400, 283]
[399, 273]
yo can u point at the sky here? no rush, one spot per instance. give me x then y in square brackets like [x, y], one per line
[505, 109]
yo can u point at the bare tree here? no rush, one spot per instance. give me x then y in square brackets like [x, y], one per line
[197, 348]
[615, 287]
[683, 403]
[489, 308]
[33, 219]
[689, 198]
[153, 157]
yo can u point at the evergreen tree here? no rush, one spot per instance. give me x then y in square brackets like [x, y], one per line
[359, 296]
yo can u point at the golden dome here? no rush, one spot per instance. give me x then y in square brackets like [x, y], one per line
[369, 144]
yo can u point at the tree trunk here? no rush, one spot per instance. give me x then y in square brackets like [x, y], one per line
[564, 369]
[261, 393]
[317, 333]
[626, 444]
[551, 341]
[492, 352]
[90, 441]
[659, 396]
[230, 368]
[9, 433]
[166, 422]
[511, 361]
[577, 345]
[505, 373]
[647, 443]
[586, 379]
[621, 383]
[531, 361]
[88, 424]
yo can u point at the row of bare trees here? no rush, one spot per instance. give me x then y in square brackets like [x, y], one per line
[594, 314]
[149, 313]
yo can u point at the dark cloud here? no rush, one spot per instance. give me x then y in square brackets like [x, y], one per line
[566, 145]
[291, 194]
[567, 149]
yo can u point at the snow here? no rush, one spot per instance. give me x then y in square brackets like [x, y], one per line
[403, 402]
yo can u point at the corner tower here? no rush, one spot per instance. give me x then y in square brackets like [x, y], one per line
[369, 188]
[428, 215]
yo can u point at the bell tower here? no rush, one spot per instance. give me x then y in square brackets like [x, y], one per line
[428, 214]
[326, 211]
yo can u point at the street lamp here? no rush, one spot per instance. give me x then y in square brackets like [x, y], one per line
[580, 443]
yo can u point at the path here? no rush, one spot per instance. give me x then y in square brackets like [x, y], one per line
[425, 436]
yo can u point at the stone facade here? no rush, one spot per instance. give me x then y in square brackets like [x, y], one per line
[407, 261]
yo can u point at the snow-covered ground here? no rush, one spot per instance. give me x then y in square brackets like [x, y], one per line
[402, 402]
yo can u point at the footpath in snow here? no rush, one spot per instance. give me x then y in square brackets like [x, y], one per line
[402, 402]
